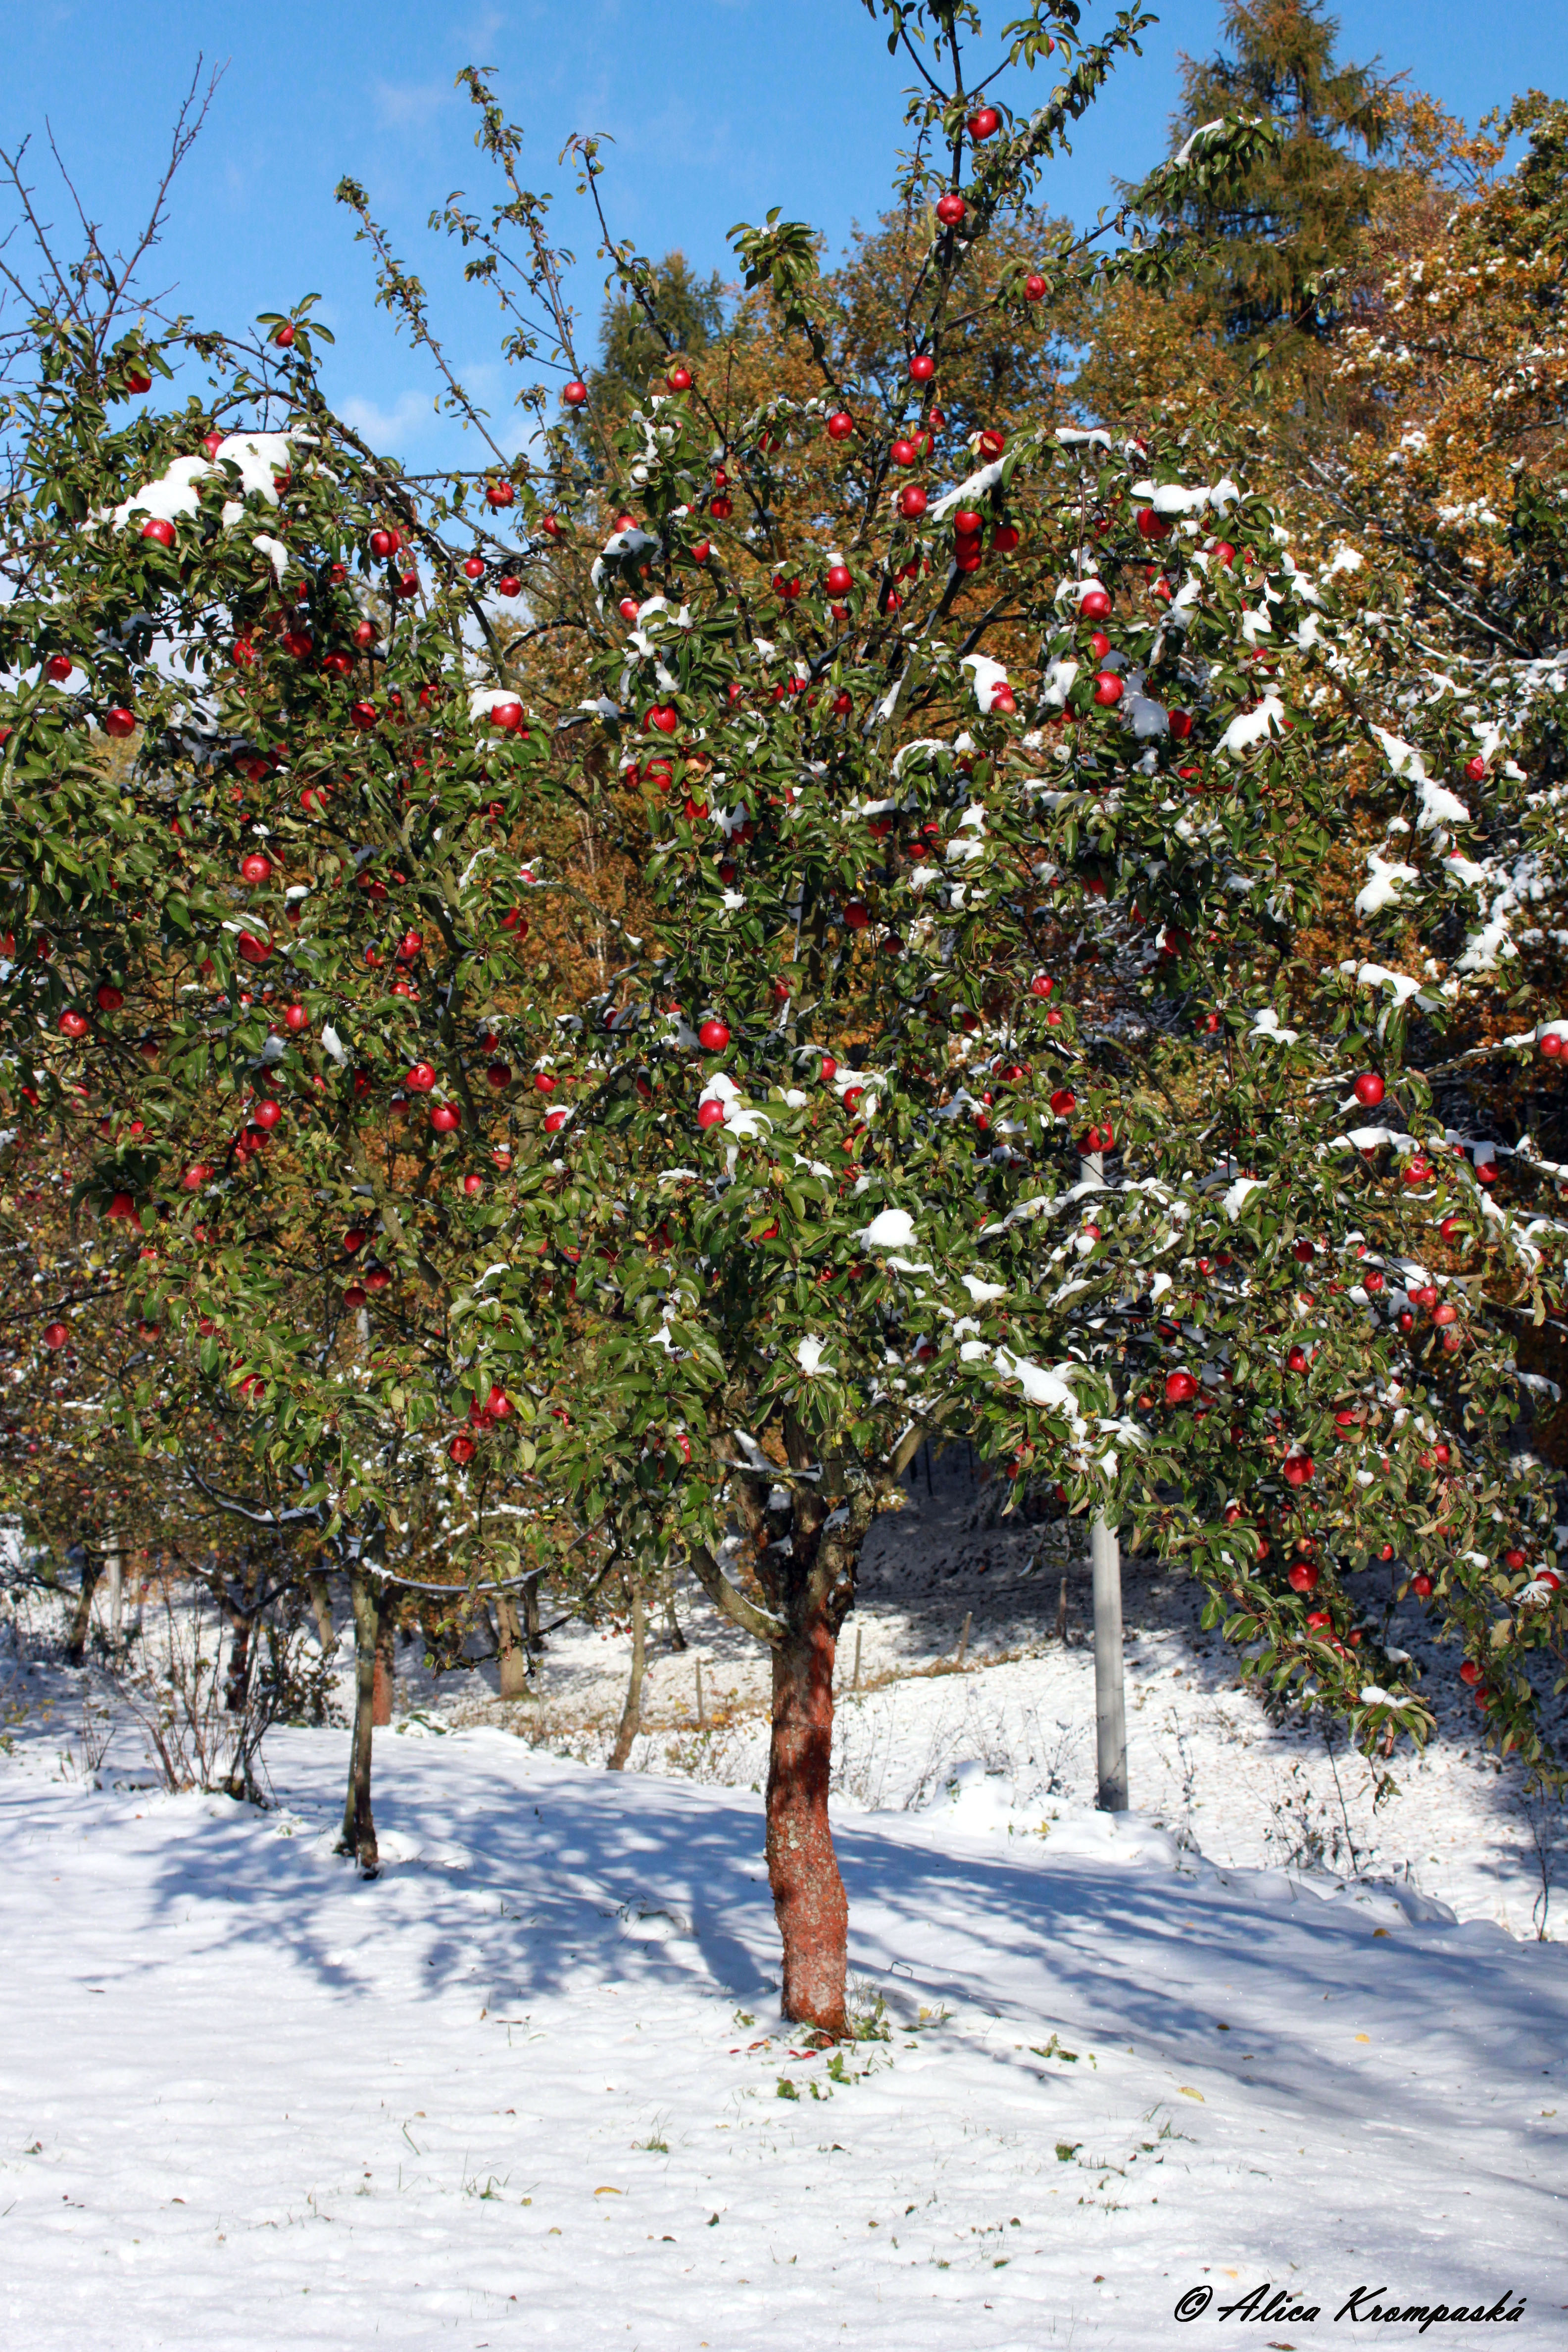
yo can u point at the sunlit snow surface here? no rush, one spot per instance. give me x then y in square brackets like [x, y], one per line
[499, 2096]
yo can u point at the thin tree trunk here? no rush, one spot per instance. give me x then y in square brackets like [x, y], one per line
[82, 1619]
[116, 1570]
[511, 1649]
[810, 1901]
[672, 1622]
[530, 1615]
[385, 1672]
[321, 1605]
[359, 1823]
[631, 1713]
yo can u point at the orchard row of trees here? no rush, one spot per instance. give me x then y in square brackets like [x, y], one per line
[841, 889]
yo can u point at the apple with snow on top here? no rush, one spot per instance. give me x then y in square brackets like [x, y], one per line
[709, 1113]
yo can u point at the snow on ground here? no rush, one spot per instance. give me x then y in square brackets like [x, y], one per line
[528, 2087]
[530, 2084]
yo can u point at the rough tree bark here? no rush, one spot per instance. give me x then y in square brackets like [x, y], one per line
[321, 1605]
[631, 1713]
[510, 1648]
[385, 1672]
[810, 1901]
[359, 1823]
[805, 1554]
[81, 1618]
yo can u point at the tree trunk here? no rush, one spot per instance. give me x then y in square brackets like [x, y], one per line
[82, 1619]
[359, 1824]
[321, 1605]
[116, 1570]
[385, 1671]
[511, 1649]
[631, 1713]
[672, 1622]
[530, 1616]
[810, 1901]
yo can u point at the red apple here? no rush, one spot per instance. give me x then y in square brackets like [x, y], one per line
[1302, 1576]
[284, 337]
[58, 667]
[444, 1119]
[1108, 689]
[1368, 1089]
[1094, 605]
[159, 531]
[911, 501]
[499, 1075]
[574, 394]
[709, 1113]
[950, 210]
[74, 1025]
[507, 715]
[922, 367]
[1299, 1469]
[109, 998]
[1476, 770]
[679, 378]
[55, 1335]
[983, 123]
[1034, 288]
[501, 494]
[462, 1449]
[856, 914]
[256, 868]
[1180, 1388]
[841, 580]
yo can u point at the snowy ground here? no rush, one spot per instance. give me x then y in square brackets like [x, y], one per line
[529, 2085]
[524, 2088]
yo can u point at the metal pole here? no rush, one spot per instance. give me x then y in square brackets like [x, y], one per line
[1109, 1701]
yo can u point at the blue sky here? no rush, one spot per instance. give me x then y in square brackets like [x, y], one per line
[718, 108]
